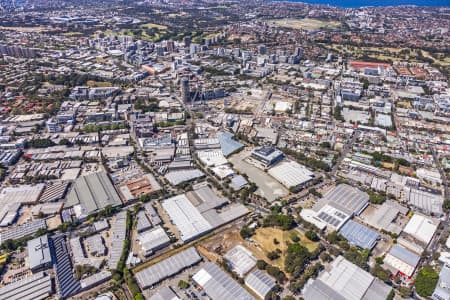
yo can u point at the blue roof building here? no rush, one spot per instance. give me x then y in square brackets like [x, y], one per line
[359, 235]
[227, 144]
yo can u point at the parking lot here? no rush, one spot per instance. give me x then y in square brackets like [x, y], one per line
[268, 187]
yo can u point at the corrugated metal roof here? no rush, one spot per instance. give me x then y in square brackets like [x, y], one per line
[94, 192]
[35, 287]
[168, 267]
[177, 177]
[404, 255]
[227, 144]
[316, 289]
[164, 293]
[219, 285]
[118, 238]
[291, 173]
[260, 282]
[349, 197]
[421, 228]
[347, 279]
[241, 260]
[186, 217]
[359, 235]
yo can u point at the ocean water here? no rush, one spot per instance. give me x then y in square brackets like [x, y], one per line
[360, 3]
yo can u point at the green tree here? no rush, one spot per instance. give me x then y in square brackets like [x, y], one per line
[261, 264]
[297, 257]
[272, 255]
[426, 281]
[382, 274]
[183, 284]
[446, 205]
[312, 235]
[246, 232]
[391, 295]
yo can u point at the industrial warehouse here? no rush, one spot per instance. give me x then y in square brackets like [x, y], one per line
[196, 213]
[345, 280]
[92, 193]
[168, 267]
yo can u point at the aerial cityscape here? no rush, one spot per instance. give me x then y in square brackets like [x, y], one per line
[224, 150]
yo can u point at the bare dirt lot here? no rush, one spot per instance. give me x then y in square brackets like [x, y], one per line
[261, 243]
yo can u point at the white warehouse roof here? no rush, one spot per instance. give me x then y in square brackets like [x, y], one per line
[260, 283]
[345, 280]
[421, 228]
[212, 158]
[219, 285]
[241, 260]
[186, 217]
[291, 173]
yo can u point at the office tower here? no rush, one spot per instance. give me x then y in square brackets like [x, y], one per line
[187, 41]
[185, 93]
[262, 50]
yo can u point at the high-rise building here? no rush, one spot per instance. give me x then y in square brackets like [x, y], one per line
[17, 51]
[160, 50]
[262, 50]
[185, 92]
[298, 52]
[187, 41]
[170, 46]
[194, 48]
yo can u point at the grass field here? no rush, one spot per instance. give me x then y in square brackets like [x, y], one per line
[387, 53]
[306, 24]
[142, 35]
[264, 238]
[153, 25]
[72, 33]
[26, 29]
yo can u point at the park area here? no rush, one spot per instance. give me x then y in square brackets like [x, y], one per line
[269, 239]
[305, 24]
[264, 241]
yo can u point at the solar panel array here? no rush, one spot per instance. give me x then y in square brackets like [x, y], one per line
[168, 267]
[66, 283]
[329, 219]
[359, 235]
